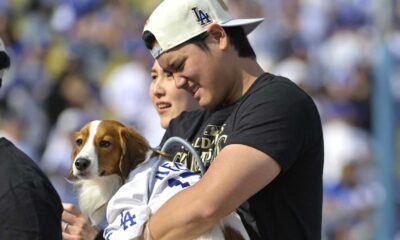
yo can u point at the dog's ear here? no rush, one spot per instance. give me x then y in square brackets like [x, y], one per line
[135, 148]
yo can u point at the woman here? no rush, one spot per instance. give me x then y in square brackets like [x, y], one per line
[169, 102]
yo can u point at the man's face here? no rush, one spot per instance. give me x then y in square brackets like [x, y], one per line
[198, 71]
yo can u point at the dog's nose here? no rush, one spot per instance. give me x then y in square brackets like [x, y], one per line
[82, 163]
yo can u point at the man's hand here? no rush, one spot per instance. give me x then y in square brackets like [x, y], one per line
[75, 225]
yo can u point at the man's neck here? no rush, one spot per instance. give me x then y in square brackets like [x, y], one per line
[248, 70]
[251, 70]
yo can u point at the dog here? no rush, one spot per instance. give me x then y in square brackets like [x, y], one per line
[110, 171]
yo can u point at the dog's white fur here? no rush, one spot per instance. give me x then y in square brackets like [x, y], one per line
[89, 151]
[94, 194]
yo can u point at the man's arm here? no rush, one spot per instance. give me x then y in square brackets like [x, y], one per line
[237, 173]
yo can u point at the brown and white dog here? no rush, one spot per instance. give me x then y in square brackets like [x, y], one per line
[105, 153]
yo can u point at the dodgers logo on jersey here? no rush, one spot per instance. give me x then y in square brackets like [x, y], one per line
[202, 17]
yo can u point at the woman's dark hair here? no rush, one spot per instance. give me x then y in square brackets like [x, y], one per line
[236, 35]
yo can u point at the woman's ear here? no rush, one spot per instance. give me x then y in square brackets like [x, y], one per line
[218, 33]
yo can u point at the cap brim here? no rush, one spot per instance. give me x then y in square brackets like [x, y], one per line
[248, 24]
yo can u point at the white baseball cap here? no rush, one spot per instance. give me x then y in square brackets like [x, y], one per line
[176, 21]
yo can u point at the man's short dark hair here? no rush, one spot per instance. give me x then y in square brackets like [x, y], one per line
[236, 35]
[239, 40]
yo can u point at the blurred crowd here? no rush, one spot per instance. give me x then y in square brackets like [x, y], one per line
[78, 60]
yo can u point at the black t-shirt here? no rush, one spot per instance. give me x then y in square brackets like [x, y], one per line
[278, 118]
[30, 208]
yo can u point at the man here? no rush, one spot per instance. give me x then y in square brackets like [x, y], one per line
[30, 208]
[259, 135]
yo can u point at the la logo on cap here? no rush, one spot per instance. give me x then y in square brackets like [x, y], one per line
[202, 17]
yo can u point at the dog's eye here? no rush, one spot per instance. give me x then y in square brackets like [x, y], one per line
[79, 141]
[104, 143]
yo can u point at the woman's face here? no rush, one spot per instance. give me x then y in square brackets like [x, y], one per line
[168, 100]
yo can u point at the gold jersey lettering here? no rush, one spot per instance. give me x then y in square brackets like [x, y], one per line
[197, 143]
[206, 157]
[181, 157]
[220, 142]
[206, 143]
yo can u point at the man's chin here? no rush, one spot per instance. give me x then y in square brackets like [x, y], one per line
[207, 104]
